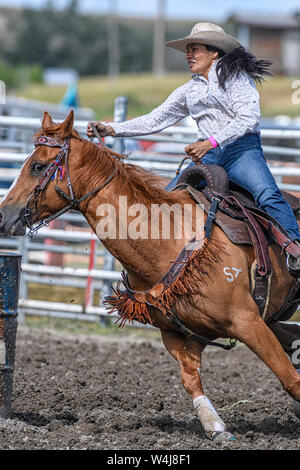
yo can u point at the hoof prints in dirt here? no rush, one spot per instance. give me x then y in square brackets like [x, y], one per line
[74, 392]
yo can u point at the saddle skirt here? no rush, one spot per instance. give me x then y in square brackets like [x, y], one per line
[229, 218]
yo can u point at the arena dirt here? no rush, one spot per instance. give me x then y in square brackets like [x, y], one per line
[93, 392]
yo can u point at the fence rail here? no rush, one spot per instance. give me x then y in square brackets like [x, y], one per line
[79, 243]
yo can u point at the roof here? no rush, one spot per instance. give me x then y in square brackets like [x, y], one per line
[269, 21]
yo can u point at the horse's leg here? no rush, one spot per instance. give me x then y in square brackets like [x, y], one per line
[187, 353]
[249, 328]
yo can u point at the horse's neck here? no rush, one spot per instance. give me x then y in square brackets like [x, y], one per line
[146, 259]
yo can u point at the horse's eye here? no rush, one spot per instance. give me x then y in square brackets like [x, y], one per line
[37, 168]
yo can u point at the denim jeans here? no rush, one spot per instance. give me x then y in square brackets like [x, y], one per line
[246, 166]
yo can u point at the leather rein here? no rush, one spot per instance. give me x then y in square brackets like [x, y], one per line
[73, 202]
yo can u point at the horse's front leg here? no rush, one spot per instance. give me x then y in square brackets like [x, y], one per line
[187, 353]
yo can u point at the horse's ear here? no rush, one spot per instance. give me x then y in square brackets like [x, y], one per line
[47, 121]
[67, 125]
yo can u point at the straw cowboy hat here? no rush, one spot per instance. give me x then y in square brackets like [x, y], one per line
[209, 34]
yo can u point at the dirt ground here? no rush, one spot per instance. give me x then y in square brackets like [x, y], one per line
[95, 392]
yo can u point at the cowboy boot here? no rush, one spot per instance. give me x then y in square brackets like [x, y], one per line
[293, 264]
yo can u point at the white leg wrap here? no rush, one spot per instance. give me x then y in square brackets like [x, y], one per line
[208, 416]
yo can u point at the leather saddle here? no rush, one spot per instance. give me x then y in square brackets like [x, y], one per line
[206, 182]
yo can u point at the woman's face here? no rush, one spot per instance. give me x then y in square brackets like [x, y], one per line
[200, 59]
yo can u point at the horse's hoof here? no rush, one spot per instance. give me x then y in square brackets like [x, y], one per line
[223, 437]
[296, 408]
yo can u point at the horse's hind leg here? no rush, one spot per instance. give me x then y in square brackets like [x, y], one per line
[249, 328]
[187, 353]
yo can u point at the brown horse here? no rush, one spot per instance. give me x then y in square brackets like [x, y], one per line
[203, 298]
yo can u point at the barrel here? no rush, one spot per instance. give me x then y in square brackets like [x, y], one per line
[10, 267]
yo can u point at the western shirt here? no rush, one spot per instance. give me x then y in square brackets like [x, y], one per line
[224, 114]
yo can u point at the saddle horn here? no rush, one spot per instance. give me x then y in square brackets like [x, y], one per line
[215, 177]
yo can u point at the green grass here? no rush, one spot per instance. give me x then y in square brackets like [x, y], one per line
[89, 328]
[72, 295]
[276, 97]
[146, 92]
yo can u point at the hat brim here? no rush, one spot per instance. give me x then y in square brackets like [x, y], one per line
[222, 41]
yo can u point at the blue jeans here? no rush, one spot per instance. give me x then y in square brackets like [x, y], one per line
[246, 166]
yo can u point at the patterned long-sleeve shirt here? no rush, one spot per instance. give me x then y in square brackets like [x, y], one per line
[224, 114]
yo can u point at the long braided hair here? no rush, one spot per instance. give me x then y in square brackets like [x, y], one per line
[239, 60]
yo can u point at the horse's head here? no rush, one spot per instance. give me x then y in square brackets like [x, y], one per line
[34, 196]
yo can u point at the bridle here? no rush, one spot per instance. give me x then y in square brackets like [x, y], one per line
[73, 202]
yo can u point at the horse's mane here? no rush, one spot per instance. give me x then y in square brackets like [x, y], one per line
[98, 163]
[137, 183]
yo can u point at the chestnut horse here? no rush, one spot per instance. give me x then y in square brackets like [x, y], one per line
[207, 304]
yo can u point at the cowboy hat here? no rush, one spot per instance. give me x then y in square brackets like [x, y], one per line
[209, 34]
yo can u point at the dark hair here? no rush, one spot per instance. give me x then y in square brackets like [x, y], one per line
[240, 60]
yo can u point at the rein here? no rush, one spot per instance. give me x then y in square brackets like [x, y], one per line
[49, 174]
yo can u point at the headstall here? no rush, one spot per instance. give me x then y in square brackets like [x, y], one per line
[53, 168]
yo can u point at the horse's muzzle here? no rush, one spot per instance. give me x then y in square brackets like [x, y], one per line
[12, 220]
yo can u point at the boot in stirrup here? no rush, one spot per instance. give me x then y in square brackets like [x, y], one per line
[293, 264]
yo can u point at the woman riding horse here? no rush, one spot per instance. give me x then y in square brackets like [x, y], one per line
[182, 288]
[223, 100]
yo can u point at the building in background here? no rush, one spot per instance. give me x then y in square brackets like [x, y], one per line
[276, 38]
